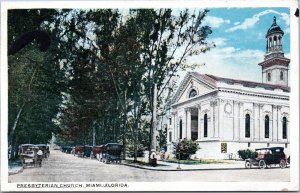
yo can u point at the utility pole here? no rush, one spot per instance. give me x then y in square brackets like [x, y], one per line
[94, 135]
[154, 120]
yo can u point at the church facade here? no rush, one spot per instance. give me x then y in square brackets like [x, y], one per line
[225, 115]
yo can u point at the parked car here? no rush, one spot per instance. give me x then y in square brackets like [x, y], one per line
[97, 152]
[265, 157]
[87, 150]
[28, 155]
[112, 153]
[79, 150]
[45, 149]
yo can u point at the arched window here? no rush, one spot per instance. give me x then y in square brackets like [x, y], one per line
[267, 126]
[279, 40]
[284, 128]
[275, 41]
[281, 75]
[205, 125]
[269, 76]
[193, 93]
[247, 126]
[180, 129]
[270, 42]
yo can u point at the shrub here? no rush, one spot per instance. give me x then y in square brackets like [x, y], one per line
[246, 153]
[184, 149]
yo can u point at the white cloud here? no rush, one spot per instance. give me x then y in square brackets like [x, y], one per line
[215, 22]
[250, 22]
[219, 41]
[231, 62]
[236, 23]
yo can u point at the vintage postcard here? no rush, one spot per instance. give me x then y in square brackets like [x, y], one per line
[150, 95]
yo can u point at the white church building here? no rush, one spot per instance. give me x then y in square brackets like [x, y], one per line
[225, 115]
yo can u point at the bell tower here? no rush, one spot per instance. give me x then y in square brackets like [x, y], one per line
[275, 66]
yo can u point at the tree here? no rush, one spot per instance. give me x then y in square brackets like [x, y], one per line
[167, 41]
[33, 82]
[185, 148]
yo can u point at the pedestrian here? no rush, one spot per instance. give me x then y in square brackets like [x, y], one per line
[153, 159]
[39, 157]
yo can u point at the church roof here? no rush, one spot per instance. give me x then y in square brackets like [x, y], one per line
[249, 83]
[274, 28]
[212, 81]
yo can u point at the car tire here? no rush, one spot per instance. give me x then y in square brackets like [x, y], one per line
[282, 164]
[262, 164]
[248, 165]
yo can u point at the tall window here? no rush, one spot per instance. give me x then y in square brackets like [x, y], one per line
[275, 41]
[193, 93]
[281, 75]
[247, 126]
[267, 126]
[269, 76]
[284, 128]
[170, 136]
[205, 125]
[180, 129]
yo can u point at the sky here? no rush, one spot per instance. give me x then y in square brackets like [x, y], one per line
[239, 35]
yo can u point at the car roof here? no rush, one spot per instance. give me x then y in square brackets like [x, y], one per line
[26, 144]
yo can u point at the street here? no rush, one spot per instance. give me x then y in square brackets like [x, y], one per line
[61, 167]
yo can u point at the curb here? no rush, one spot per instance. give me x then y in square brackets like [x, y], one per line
[16, 172]
[198, 169]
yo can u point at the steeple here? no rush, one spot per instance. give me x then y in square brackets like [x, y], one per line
[275, 65]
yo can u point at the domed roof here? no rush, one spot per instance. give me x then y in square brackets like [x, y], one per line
[274, 28]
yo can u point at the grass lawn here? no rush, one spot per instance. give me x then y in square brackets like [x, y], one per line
[200, 161]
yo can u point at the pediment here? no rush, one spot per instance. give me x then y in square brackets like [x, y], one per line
[193, 81]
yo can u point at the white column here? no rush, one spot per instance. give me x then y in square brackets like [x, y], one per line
[221, 120]
[184, 120]
[175, 129]
[241, 121]
[188, 124]
[217, 118]
[256, 122]
[199, 122]
[279, 124]
[235, 111]
[211, 121]
[274, 123]
[262, 122]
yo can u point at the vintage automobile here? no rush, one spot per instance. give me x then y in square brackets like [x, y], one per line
[45, 149]
[97, 152]
[265, 157]
[112, 153]
[79, 151]
[28, 155]
[87, 149]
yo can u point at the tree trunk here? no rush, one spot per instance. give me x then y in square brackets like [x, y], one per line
[10, 139]
[154, 120]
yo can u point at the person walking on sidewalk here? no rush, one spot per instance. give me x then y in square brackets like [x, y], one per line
[153, 158]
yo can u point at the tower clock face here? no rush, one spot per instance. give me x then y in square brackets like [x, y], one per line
[228, 108]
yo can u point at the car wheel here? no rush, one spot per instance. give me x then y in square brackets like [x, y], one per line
[282, 164]
[262, 164]
[248, 165]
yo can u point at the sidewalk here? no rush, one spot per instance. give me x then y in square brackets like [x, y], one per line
[167, 166]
